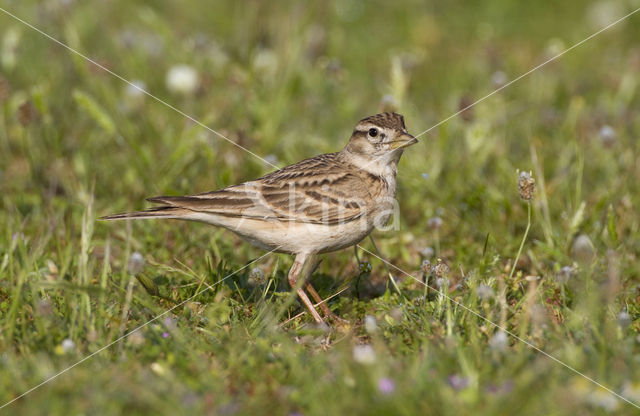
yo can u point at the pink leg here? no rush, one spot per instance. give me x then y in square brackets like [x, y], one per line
[294, 274]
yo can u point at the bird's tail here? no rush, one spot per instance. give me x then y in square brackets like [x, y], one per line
[157, 212]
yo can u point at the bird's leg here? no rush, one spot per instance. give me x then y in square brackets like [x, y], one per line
[294, 274]
[326, 311]
[313, 265]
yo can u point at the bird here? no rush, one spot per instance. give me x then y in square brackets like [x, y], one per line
[322, 204]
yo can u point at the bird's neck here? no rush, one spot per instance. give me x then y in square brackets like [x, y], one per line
[383, 166]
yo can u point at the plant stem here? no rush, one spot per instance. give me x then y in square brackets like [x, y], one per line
[524, 238]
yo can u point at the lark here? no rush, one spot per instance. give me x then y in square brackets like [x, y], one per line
[319, 205]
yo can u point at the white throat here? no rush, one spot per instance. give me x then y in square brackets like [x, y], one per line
[385, 165]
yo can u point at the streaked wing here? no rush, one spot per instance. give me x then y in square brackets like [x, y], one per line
[317, 190]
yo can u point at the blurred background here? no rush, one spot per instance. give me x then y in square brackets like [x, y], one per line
[289, 81]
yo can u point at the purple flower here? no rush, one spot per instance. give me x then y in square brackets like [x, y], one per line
[458, 382]
[165, 335]
[170, 323]
[504, 388]
[386, 386]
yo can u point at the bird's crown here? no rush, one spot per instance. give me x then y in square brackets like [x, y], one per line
[393, 121]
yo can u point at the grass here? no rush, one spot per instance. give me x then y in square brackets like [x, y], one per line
[288, 82]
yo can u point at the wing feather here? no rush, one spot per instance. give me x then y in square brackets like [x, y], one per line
[317, 190]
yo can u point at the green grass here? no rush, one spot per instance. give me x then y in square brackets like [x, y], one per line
[290, 81]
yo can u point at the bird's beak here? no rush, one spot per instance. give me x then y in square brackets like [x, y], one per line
[405, 140]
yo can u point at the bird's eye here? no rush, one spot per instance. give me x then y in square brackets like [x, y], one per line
[373, 132]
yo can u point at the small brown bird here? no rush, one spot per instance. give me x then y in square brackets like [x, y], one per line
[318, 205]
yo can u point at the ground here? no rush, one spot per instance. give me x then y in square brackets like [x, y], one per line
[288, 81]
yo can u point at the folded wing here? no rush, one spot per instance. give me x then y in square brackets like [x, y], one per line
[315, 190]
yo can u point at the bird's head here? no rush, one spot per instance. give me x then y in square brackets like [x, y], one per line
[380, 139]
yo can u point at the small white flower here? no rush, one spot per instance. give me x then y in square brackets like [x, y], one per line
[388, 102]
[498, 79]
[158, 369]
[136, 263]
[256, 273]
[68, 345]
[607, 135]
[136, 89]
[370, 324]
[565, 274]
[499, 341]
[265, 62]
[434, 223]
[273, 159]
[425, 266]
[364, 354]
[256, 276]
[182, 79]
[602, 13]
[364, 267]
[427, 252]
[485, 292]
[555, 46]
[582, 249]
[231, 158]
[624, 319]
[631, 391]
[603, 399]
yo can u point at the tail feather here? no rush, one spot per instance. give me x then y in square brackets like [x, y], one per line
[157, 212]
